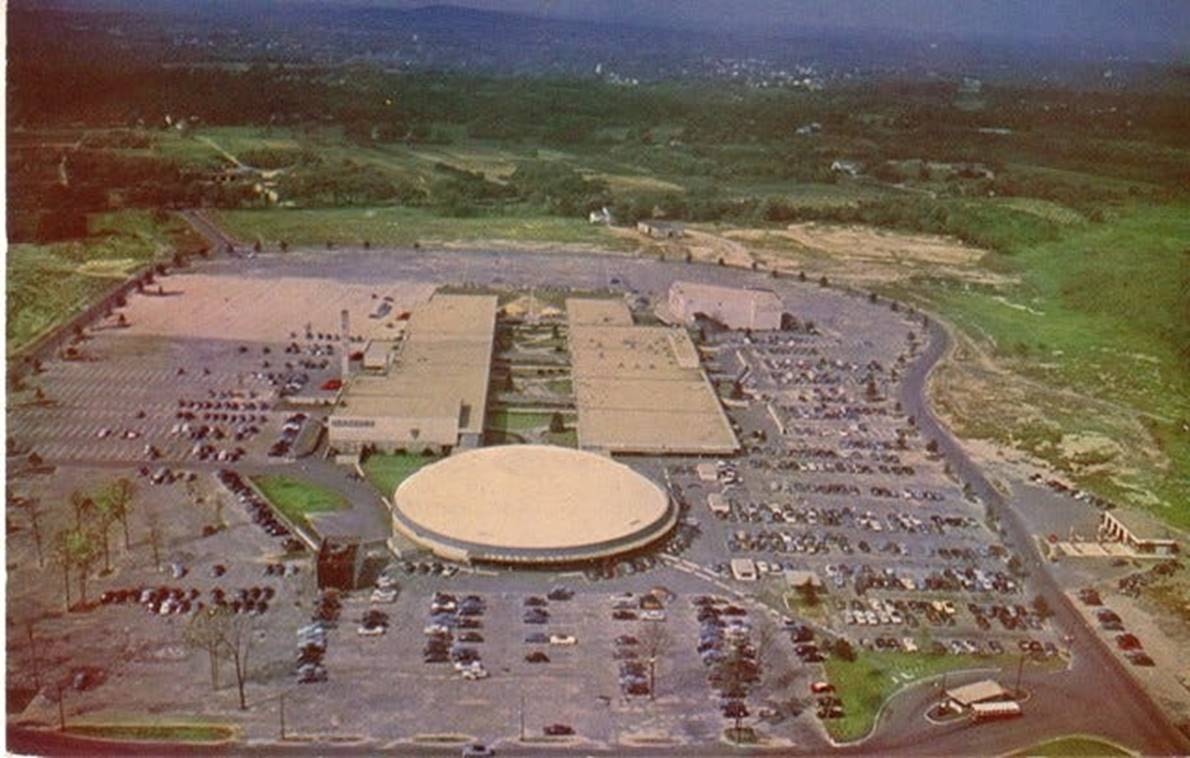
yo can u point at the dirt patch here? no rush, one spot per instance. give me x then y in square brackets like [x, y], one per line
[1006, 417]
[864, 255]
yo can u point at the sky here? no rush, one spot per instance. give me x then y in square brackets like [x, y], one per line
[1128, 23]
[1093, 20]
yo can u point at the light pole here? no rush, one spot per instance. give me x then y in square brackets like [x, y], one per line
[522, 715]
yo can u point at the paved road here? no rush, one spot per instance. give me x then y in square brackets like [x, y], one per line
[218, 239]
[1097, 694]
[1097, 690]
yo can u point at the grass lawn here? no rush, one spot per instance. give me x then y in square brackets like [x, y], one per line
[296, 499]
[47, 284]
[1102, 312]
[154, 732]
[510, 421]
[386, 471]
[399, 226]
[1074, 745]
[867, 682]
[567, 438]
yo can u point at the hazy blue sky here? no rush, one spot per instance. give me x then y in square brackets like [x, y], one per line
[1110, 21]
[1105, 20]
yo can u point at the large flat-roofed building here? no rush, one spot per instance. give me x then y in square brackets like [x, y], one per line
[433, 394]
[735, 307]
[1137, 531]
[640, 389]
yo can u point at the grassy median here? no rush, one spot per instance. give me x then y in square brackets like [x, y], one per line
[154, 732]
[297, 499]
[386, 471]
[1074, 745]
[867, 682]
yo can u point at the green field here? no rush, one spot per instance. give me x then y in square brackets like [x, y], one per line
[398, 226]
[1101, 319]
[154, 732]
[1073, 746]
[298, 499]
[386, 471]
[867, 682]
[47, 284]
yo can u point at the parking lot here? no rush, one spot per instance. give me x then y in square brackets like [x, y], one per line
[834, 479]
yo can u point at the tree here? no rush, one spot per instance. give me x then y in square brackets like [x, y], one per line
[206, 632]
[103, 527]
[1042, 607]
[557, 423]
[237, 644]
[119, 496]
[32, 508]
[82, 506]
[654, 641]
[843, 650]
[83, 544]
[64, 558]
[153, 522]
[808, 593]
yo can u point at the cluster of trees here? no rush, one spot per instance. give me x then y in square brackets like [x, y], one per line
[223, 636]
[80, 548]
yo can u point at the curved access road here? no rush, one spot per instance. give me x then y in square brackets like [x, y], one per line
[1096, 691]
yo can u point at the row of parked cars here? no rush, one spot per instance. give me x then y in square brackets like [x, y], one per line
[1110, 621]
[261, 512]
[311, 638]
[452, 631]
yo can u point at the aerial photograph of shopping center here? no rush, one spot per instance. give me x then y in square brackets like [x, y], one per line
[522, 378]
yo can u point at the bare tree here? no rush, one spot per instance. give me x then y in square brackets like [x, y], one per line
[237, 644]
[64, 558]
[32, 508]
[86, 552]
[120, 494]
[655, 640]
[105, 518]
[153, 522]
[82, 506]
[218, 504]
[206, 632]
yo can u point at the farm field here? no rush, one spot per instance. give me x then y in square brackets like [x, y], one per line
[403, 227]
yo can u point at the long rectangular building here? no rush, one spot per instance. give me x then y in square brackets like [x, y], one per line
[434, 392]
[640, 389]
[735, 307]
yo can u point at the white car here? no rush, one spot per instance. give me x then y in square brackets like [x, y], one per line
[475, 673]
[384, 595]
[652, 615]
[104, 432]
[371, 631]
[563, 639]
[386, 582]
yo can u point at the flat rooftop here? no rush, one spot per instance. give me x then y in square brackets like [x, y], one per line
[442, 367]
[640, 389]
[712, 292]
[582, 310]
